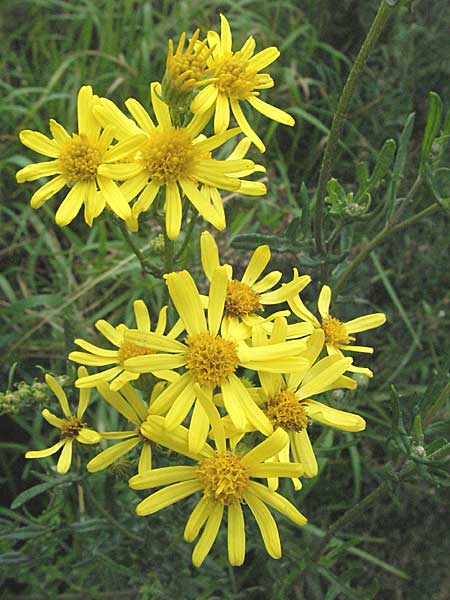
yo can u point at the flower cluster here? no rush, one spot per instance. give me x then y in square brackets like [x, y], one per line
[232, 384]
[203, 406]
[122, 163]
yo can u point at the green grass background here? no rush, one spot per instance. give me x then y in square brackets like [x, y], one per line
[55, 283]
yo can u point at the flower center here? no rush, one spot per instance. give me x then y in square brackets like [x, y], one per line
[286, 411]
[71, 427]
[240, 299]
[335, 331]
[224, 478]
[210, 358]
[79, 159]
[234, 78]
[168, 153]
[128, 350]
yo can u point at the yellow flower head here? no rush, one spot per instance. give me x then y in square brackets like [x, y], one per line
[237, 79]
[249, 295]
[170, 157]
[338, 334]
[72, 427]
[130, 405]
[100, 357]
[225, 479]
[210, 360]
[186, 69]
[287, 400]
[76, 162]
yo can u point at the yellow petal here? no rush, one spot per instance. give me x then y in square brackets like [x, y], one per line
[277, 502]
[52, 419]
[65, 458]
[258, 262]
[304, 453]
[139, 113]
[225, 35]
[46, 452]
[38, 170]
[264, 58]
[222, 114]
[70, 206]
[160, 108]
[145, 458]
[323, 303]
[208, 536]
[323, 374]
[111, 454]
[48, 190]
[186, 299]
[266, 524]
[59, 393]
[209, 254]
[162, 476]
[88, 436]
[198, 429]
[167, 496]
[39, 143]
[197, 519]
[114, 198]
[173, 210]
[271, 112]
[236, 535]
[335, 418]
[245, 126]
[366, 322]
[204, 99]
[266, 449]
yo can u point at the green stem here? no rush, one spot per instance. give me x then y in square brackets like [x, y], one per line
[377, 239]
[169, 256]
[115, 524]
[187, 237]
[340, 116]
[146, 267]
[354, 512]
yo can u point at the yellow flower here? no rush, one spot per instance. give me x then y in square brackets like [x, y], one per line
[225, 479]
[237, 80]
[71, 426]
[286, 400]
[100, 357]
[186, 69]
[171, 157]
[77, 159]
[210, 360]
[129, 404]
[247, 296]
[338, 334]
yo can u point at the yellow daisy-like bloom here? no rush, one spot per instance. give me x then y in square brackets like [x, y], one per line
[237, 79]
[129, 404]
[72, 427]
[225, 480]
[170, 157]
[286, 399]
[77, 159]
[210, 360]
[249, 295]
[338, 334]
[186, 70]
[118, 375]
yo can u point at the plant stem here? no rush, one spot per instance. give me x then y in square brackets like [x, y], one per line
[146, 267]
[169, 256]
[377, 239]
[115, 524]
[354, 512]
[340, 116]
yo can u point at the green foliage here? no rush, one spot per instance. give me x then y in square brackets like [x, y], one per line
[76, 536]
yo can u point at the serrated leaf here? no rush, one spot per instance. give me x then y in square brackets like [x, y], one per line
[431, 128]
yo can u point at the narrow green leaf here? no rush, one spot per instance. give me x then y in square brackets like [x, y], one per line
[431, 128]
[34, 491]
[383, 163]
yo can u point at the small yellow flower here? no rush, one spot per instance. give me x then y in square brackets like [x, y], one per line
[237, 79]
[209, 358]
[338, 334]
[249, 295]
[287, 401]
[72, 427]
[170, 157]
[77, 159]
[225, 480]
[100, 357]
[129, 404]
[186, 70]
